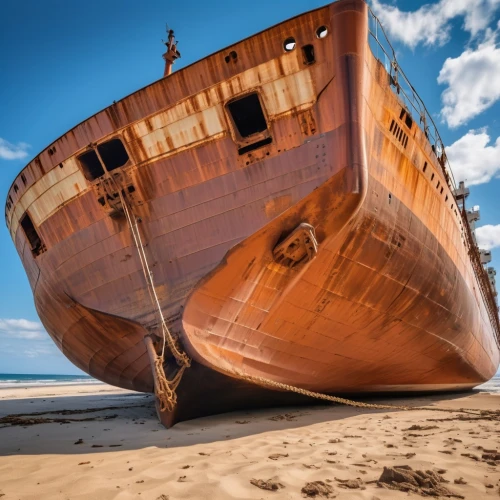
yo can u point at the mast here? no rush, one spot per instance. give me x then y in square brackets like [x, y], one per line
[171, 54]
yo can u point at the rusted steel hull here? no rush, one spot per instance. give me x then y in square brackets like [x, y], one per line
[388, 301]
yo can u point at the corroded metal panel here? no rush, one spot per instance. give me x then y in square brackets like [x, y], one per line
[49, 193]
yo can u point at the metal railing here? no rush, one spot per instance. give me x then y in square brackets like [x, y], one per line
[382, 49]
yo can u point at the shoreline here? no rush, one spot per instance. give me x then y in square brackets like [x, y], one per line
[89, 441]
[61, 384]
[54, 390]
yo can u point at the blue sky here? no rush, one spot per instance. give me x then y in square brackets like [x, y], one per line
[63, 61]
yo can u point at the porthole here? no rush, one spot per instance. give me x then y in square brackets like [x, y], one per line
[289, 44]
[321, 32]
[232, 55]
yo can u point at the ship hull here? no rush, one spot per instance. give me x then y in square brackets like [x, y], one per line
[389, 300]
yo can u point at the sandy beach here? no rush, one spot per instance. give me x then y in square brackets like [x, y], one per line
[99, 442]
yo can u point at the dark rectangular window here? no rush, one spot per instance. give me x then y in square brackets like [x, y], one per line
[91, 166]
[247, 115]
[308, 54]
[31, 234]
[113, 154]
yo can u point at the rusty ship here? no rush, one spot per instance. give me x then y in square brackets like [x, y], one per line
[279, 211]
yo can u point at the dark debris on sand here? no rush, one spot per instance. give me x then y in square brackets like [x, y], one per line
[270, 484]
[352, 484]
[425, 483]
[287, 416]
[417, 427]
[318, 489]
[25, 419]
[14, 420]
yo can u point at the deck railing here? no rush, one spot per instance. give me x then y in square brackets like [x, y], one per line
[399, 83]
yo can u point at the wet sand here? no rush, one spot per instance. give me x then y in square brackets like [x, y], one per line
[99, 442]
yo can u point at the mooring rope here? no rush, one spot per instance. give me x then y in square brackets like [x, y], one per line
[164, 388]
[493, 414]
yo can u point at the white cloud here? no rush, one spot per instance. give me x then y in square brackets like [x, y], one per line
[488, 236]
[473, 80]
[431, 23]
[10, 151]
[21, 329]
[473, 159]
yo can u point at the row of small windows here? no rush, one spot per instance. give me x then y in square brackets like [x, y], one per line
[16, 189]
[438, 185]
[403, 139]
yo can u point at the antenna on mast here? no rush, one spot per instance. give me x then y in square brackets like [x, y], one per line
[172, 53]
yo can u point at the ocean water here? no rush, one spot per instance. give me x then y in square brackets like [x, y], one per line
[491, 386]
[33, 380]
